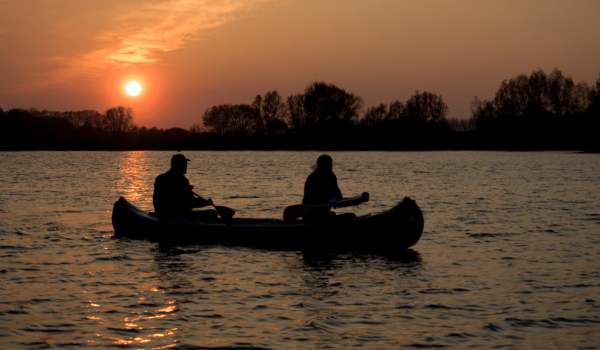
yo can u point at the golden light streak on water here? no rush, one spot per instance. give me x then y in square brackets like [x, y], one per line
[168, 309]
[153, 317]
[133, 170]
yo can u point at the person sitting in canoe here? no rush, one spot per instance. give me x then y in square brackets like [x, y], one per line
[173, 196]
[320, 187]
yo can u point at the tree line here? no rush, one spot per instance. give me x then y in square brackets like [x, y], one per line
[539, 111]
[326, 116]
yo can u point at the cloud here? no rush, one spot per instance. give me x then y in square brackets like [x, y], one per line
[149, 28]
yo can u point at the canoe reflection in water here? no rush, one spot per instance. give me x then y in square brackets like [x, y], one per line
[395, 229]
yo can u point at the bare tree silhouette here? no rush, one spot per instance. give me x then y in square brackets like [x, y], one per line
[335, 110]
[270, 113]
[118, 121]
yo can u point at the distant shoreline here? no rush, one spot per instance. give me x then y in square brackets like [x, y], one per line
[574, 151]
[529, 113]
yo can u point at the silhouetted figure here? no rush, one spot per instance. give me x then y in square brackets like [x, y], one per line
[320, 187]
[173, 196]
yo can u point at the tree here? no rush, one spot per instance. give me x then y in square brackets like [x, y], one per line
[243, 118]
[540, 93]
[230, 119]
[426, 108]
[197, 128]
[300, 122]
[218, 118]
[335, 110]
[564, 96]
[533, 98]
[460, 125]
[34, 112]
[396, 111]
[118, 120]
[595, 98]
[88, 118]
[482, 113]
[374, 117]
[270, 113]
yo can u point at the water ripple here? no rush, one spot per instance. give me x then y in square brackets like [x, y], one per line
[508, 258]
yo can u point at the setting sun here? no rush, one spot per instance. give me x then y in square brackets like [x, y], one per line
[133, 88]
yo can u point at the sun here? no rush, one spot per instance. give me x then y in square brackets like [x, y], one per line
[133, 88]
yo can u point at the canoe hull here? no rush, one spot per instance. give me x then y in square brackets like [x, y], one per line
[397, 228]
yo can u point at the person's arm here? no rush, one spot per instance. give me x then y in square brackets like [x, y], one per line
[200, 202]
[185, 197]
[337, 193]
[162, 198]
[309, 196]
[196, 200]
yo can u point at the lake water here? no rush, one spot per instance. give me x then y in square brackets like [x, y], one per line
[509, 258]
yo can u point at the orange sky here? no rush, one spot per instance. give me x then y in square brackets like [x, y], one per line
[192, 54]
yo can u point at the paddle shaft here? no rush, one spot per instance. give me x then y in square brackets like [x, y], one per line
[224, 212]
[296, 211]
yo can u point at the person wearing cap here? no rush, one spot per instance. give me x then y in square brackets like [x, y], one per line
[173, 196]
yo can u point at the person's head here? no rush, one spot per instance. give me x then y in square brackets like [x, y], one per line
[179, 164]
[324, 163]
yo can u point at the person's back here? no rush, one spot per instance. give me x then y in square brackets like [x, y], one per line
[320, 187]
[173, 196]
[170, 196]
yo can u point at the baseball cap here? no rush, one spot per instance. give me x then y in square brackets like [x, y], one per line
[179, 158]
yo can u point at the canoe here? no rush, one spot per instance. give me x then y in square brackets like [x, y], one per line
[397, 228]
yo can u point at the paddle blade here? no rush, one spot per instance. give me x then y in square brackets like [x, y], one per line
[294, 212]
[224, 212]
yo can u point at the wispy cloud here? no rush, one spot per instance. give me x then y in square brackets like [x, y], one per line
[150, 28]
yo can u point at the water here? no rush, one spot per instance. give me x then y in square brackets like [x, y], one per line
[509, 257]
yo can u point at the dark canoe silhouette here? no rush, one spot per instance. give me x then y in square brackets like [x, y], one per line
[397, 228]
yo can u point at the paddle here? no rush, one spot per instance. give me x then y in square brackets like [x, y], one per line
[224, 212]
[299, 210]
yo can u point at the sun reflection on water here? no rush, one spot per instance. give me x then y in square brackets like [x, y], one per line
[157, 316]
[133, 181]
[148, 321]
[168, 309]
